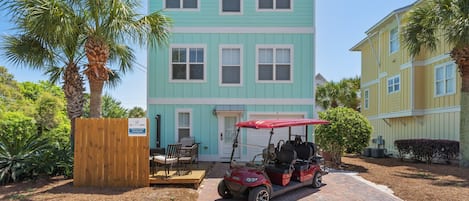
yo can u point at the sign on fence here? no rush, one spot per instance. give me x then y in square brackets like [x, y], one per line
[137, 127]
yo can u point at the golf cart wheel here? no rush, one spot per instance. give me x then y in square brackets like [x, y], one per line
[259, 193]
[317, 180]
[223, 191]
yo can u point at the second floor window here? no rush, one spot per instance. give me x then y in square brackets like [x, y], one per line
[231, 6]
[394, 84]
[181, 4]
[445, 79]
[274, 4]
[187, 63]
[274, 64]
[393, 40]
[230, 66]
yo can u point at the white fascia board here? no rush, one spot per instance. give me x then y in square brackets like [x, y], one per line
[228, 101]
[291, 30]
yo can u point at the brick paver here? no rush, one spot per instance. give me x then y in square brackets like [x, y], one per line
[338, 186]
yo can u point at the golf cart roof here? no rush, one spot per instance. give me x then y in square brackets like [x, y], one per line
[279, 123]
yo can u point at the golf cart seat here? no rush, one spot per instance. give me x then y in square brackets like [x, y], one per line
[280, 172]
[305, 154]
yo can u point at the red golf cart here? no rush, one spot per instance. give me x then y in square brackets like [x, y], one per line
[287, 165]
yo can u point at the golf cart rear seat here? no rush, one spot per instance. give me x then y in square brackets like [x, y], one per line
[281, 172]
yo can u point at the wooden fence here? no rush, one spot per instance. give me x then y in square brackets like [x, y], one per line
[106, 156]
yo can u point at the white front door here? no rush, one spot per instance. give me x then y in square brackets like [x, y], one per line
[226, 135]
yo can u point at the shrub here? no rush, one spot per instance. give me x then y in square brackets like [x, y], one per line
[427, 149]
[348, 130]
[22, 158]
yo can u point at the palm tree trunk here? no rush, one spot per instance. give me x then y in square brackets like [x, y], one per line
[73, 90]
[460, 56]
[96, 89]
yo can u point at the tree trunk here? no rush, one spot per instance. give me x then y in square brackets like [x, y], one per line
[461, 58]
[97, 52]
[96, 89]
[73, 90]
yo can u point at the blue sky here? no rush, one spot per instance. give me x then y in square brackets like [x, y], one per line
[340, 24]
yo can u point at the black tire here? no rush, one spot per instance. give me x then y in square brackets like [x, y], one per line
[259, 193]
[223, 191]
[317, 180]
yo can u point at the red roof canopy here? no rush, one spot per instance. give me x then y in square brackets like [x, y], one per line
[279, 123]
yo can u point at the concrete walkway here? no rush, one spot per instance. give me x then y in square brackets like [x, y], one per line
[338, 186]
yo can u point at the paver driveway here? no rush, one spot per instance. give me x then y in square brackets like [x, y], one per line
[338, 186]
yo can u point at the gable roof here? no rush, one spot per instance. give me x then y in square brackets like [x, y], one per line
[370, 32]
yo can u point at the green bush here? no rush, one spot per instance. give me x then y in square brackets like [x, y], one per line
[22, 158]
[427, 149]
[17, 125]
[348, 130]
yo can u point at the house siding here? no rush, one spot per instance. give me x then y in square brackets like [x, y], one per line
[415, 111]
[207, 28]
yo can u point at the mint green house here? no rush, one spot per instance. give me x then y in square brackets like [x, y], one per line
[230, 61]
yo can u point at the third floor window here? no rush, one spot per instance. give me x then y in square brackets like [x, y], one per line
[181, 4]
[274, 4]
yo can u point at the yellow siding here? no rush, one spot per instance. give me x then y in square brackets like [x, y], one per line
[370, 60]
[434, 126]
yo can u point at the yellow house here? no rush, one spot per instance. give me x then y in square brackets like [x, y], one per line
[407, 97]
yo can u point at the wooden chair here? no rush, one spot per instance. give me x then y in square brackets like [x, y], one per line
[170, 159]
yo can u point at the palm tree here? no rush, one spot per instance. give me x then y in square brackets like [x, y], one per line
[106, 26]
[101, 27]
[448, 20]
[343, 93]
[40, 45]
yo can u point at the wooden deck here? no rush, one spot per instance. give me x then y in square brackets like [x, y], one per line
[194, 178]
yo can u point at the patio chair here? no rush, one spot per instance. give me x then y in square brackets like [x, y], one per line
[170, 159]
[188, 156]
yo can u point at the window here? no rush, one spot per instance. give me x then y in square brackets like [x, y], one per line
[183, 124]
[394, 84]
[445, 79]
[366, 99]
[231, 6]
[393, 40]
[230, 66]
[187, 63]
[274, 4]
[181, 4]
[274, 64]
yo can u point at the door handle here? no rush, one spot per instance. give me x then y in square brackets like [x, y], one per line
[221, 136]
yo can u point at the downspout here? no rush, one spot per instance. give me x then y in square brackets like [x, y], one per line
[158, 130]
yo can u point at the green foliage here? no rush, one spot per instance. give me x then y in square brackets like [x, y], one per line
[137, 112]
[22, 158]
[348, 130]
[336, 94]
[15, 125]
[110, 107]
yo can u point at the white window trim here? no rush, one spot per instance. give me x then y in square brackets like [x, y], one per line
[392, 78]
[366, 99]
[274, 8]
[187, 46]
[240, 63]
[291, 63]
[182, 9]
[231, 13]
[397, 40]
[444, 65]
[176, 122]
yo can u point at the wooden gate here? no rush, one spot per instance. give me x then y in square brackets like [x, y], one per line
[105, 154]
